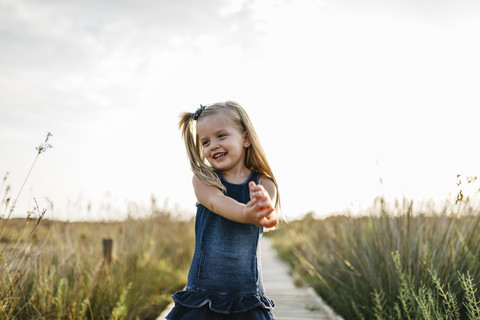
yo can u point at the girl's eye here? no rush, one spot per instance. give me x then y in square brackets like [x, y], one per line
[204, 143]
[222, 135]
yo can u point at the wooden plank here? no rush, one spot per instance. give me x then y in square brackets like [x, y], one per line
[291, 302]
[165, 312]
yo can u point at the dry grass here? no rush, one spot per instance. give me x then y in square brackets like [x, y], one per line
[61, 273]
[56, 270]
[393, 264]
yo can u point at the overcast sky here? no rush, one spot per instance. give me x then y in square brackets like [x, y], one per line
[342, 93]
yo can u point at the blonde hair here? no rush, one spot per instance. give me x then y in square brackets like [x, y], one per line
[255, 158]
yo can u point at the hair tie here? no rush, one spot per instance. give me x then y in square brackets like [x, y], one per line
[197, 113]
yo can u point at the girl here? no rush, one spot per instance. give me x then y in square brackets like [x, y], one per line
[237, 197]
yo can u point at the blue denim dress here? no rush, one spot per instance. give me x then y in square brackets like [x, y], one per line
[225, 276]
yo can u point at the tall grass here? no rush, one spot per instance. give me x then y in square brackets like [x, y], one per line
[61, 273]
[393, 264]
[56, 270]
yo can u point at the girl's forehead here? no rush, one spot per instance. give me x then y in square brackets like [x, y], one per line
[214, 122]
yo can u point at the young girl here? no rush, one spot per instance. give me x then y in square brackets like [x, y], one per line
[237, 197]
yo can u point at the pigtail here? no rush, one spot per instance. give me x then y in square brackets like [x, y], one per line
[197, 161]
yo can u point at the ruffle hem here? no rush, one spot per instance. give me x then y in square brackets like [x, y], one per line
[224, 304]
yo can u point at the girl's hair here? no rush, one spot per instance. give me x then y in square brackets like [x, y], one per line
[255, 158]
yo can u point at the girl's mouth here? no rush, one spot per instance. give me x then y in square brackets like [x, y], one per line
[218, 155]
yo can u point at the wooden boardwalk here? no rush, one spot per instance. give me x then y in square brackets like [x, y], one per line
[291, 302]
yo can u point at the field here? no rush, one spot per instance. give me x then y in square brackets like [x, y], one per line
[394, 263]
[61, 271]
[88, 270]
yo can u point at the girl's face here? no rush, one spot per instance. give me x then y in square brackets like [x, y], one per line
[223, 144]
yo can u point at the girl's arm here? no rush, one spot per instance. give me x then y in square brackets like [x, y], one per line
[254, 212]
[271, 189]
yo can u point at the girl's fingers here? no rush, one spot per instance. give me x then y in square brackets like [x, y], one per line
[264, 212]
[255, 190]
[252, 186]
[262, 218]
[258, 193]
[255, 187]
[269, 223]
[251, 203]
[261, 204]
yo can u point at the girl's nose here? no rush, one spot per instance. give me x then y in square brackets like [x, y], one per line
[214, 144]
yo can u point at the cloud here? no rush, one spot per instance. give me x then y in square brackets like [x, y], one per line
[356, 80]
[93, 50]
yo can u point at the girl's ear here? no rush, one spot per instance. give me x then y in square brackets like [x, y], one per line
[246, 140]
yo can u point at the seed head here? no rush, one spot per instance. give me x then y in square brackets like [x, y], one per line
[45, 145]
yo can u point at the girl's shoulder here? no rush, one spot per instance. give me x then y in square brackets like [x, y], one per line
[268, 184]
[264, 179]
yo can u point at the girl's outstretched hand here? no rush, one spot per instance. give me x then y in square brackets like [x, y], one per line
[259, 210]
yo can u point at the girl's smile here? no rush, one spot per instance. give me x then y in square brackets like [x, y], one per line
[216, 156]
[223, 144]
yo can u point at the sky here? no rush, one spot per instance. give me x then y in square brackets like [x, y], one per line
[351, 99]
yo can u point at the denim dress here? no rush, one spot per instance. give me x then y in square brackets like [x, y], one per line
[225, 277]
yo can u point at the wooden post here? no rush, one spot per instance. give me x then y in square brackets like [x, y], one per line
[107, 250]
